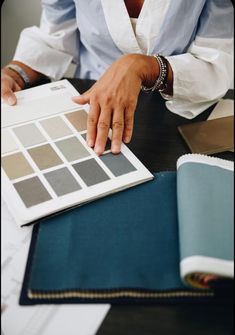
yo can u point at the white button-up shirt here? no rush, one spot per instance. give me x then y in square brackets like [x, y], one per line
[195, 36]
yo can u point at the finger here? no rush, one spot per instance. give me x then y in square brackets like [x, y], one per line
[83, 98]
[102, 131]
[92, 121]
[117, 130]
[128, 124]
[7, 93]
[9, 97]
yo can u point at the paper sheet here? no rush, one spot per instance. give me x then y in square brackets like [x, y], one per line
[36, 320]
[225, 107]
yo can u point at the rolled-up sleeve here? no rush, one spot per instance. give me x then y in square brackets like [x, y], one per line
[205, 72]
[50, 48]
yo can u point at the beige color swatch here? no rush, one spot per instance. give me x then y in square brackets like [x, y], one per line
[16, 166]
[78, 119]
[56, 127]
[45, 156]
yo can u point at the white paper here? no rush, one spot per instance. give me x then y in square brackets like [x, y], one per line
[225, 107]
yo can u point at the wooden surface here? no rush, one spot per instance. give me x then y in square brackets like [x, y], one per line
[158, 144]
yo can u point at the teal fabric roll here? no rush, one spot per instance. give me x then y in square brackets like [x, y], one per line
[206, 210]
[126, 240]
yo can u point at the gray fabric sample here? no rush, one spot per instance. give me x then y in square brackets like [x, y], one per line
[32, 191]
[91, 172]
[62, 181]
[29, 135]
[117, 164]
[72, 149]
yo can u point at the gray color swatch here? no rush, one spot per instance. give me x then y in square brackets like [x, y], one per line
[45, 156]
[118, 164]
[72, 149]
[32, 191]
[90, 172]
[16, 166]
[56, 127]
[62, 181]
[29, 135]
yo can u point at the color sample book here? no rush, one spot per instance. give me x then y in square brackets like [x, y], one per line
[46, 163]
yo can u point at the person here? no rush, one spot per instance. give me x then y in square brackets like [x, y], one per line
[182, 49]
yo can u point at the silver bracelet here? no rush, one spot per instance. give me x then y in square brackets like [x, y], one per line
[162, 78]
[21, 72]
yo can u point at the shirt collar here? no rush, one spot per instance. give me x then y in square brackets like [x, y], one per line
[147, 28]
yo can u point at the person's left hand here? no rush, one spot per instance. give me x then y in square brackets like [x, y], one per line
[113, 100]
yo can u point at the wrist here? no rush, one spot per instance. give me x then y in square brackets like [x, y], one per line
[149, 71]
[160, 80]
[169, 88]
[32, 76]
[144, 67]
[20, 72]
[13, 75]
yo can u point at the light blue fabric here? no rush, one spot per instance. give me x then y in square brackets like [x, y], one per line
[205, 197]
[58, 11]
[184, 20]
[217, 19]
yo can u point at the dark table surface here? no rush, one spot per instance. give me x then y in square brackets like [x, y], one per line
[158, 144]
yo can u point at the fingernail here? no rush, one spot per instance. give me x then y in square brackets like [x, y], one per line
[11, 101]
[115, 149]
[126, 139]
[77, 98]
[98, 151]
[90, 143]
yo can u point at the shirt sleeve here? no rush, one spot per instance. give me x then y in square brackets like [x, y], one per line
[205, 72]
[50, 48]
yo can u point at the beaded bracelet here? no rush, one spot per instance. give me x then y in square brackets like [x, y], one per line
[161, 82]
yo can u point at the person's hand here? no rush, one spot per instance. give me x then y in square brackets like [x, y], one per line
[11, 81]
[10, 84]
[113, 100]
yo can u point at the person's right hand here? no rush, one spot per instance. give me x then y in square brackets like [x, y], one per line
[10, 83]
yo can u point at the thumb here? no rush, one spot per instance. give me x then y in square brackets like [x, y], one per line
[9, 97]
[7, 94]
